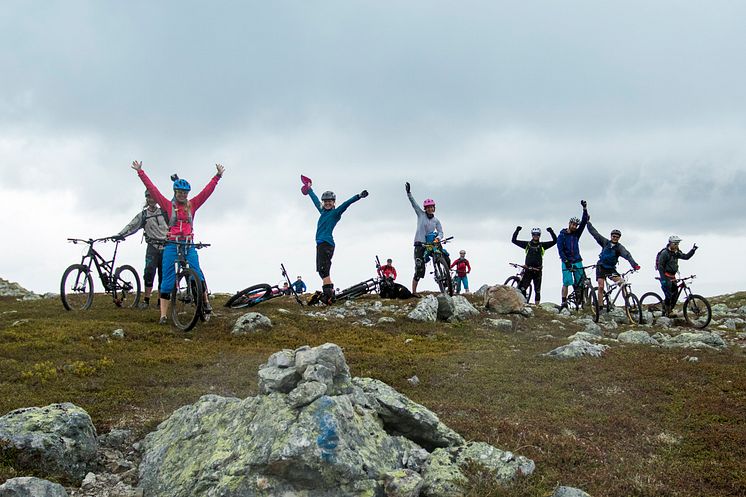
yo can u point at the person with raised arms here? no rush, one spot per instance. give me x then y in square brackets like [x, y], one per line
[426, 223]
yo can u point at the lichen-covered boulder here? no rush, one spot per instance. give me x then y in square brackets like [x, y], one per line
[425, 310]
[578, 348]
[637, 337]
[57, 440]
[402, 415]
[697, 340]
[403, 483]
[504, 299]
[463, 309]
[442, 476]
[251, 322]
[31, 487]
[505, 465]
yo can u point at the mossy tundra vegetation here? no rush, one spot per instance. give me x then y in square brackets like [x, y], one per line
[639, 421]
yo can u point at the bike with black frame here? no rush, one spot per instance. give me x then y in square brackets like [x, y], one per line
[624, 288]
[441, 268]
[262, 292]
[187, 303]
[515, 281]
[697, 310]
[583, 296]
[76, 287]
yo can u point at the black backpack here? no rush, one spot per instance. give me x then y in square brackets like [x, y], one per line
[658, 257]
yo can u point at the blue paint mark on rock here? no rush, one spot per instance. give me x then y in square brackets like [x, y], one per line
[328, 438]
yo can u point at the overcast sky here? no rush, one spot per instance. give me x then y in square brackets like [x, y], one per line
[506, 113]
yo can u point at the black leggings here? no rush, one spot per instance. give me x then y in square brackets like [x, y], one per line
[531, 276]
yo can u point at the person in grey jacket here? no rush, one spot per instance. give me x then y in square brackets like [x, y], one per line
[426, 223]
[611, 251]
[154, 222]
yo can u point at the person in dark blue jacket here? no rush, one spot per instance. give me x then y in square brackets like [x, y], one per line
[299, 286]
[611, 250]
[568, 247]
[328, 219]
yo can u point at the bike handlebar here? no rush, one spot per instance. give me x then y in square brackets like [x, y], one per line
[523, 266]
[197, 245]
[91, 241]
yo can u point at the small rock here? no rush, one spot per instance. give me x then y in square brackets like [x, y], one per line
[414, 381]
[402, 483]
[385, 320]
[250, 323]
[283, 311]
[691, 358]
[637, 337]
[569, 492]
[31, 487]
[118, 333]
[499, 324]
[425, 310]
[578, 348]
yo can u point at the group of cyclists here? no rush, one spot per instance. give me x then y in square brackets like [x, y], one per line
[167, 222]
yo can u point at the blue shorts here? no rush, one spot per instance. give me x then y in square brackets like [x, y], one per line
[169, 266]
[572, 277]
[461, 280]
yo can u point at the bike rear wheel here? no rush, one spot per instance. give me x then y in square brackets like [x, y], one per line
[633, 308]
[250, 296]
[126, 288]
[76, 288]
[650, 304]
[592, 300]
[442, 276]
[186, 299]
[697, 311]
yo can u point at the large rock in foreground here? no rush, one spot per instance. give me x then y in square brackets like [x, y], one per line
[314, 431]
[504, 299]
[31, 487]
[57, 440]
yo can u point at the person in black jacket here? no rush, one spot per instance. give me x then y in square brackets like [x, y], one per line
[667, 264]
[534, 259]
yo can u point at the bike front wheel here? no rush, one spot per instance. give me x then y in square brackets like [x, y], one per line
[697, 311]
[592, 300]
[76, 288]
[443, 276]
[186, 299]
[126, 288]
[632, 308]
[250, 296]
[651, 307]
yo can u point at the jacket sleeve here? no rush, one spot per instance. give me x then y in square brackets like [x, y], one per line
[439, 227]
[202, 196]
[663, 262]
[518, 242]
[548, 245]
[347, 203]
[314, 199]
[468, 266]
[600, 239]
[416, 207]
[686, 256]
[625, 253]
[561, 246]
[583, 222]
[132, 227]
[158, 196]
[454, 263]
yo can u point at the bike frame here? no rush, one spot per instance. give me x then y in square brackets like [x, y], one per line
[622, 288]
[104, 268]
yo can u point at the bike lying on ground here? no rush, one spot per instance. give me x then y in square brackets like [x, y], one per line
[515, 281]
[256, 294]
[441, 268]
[624, 288]
[697, 311]
[188, 293]
[76, 287]
[583, 294]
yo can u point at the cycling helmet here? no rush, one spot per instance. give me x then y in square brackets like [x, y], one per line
[182, 184]
[674, 239]
[462, 252]
[327, 195]
[147, 193]
[575, 220]
[535, 231]
[616, 232]
[428, 202]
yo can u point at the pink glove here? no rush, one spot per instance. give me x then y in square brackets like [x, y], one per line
[306, 184]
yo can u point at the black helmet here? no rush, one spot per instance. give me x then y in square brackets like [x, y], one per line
[616, 232]
[327, 195]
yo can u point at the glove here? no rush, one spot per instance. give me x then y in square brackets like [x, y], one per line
[695, 247]
[407, 187]
[550, 230]
[117, 238]
[306, 184]
[584, 204]
[518, 228]
[363, 193]
[568, 265]
[636, 268]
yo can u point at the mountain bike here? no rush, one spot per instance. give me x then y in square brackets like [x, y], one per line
[441, 269]
[188, 293]
[256, 294]
[76, 287]
[583, 294]
[697, 310]
[515, 281]
[631, 303]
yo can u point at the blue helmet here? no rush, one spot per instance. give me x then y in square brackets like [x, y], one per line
[182, 184]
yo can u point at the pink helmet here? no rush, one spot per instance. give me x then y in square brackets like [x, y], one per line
[428, 202]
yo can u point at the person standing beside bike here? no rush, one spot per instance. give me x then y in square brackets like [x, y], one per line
[388, 271]
[328, 219]
[611, 250]
[568, 246]
[180, 229]
[462, 269]
[534, 259]
[299, 286]
[154, 222]
[667, 264]
[426, 223]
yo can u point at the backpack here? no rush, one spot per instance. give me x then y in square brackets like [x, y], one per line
[658, 257]
[144, 217]
[172, 221]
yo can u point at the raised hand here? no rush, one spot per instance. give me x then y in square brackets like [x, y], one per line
[550, 230]
[518, 228]
[220, 169]
[363, 193]
[136, 165]
[407, 187]
[584, 204]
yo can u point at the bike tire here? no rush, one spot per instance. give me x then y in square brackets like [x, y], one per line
[353, 292]
[592, 299]
[512, 281]
[443, 276]
[250, 296]
[650, 303]
[632, 308]
[186, 299]
[126, 289]
[529, 292]
[697, 311]
[76, 288]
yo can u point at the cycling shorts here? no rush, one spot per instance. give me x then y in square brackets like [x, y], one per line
[324, 253]
[603, 272]
[572, 276]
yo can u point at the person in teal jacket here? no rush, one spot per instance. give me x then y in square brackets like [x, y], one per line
[328, 219]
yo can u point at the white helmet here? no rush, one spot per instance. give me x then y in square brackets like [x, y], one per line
[535, 231]
[674, 239]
